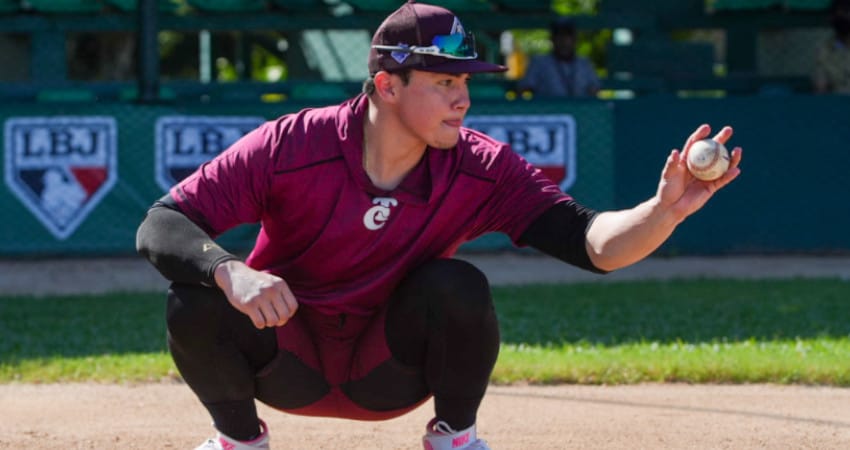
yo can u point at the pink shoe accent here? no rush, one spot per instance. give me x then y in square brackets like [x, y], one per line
[461, 440]
[440, 436]
[225, 442]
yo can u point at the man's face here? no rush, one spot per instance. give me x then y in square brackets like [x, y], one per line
[432, 107]
[564, 45]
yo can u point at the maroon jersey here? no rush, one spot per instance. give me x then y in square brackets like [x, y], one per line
[341, 243]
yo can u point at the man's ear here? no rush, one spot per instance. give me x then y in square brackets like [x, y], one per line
[386, 86]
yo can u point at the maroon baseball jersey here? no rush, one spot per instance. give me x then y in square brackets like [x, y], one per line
[341, 243]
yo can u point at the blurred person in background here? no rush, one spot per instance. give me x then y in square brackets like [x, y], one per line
[832, 69]
[561, 73]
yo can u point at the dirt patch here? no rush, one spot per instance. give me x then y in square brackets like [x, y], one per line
[164, 416]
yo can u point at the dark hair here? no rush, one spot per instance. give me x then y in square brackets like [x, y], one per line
[369, 84]
[562, 25]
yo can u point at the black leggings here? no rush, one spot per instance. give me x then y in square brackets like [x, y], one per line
[441, 326]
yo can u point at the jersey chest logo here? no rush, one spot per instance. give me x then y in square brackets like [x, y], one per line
[376, 217]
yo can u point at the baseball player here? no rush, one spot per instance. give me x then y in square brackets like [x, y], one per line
[350, 304]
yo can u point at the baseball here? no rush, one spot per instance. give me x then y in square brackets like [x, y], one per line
[708, 159]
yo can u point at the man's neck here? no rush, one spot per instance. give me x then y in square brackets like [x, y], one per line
[389, 153]
[565, 58]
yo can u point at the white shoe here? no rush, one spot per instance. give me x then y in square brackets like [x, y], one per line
[225, 442]
[440, 436]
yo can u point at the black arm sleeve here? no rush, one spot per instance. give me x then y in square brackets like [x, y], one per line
[561, 232]
[179, 249]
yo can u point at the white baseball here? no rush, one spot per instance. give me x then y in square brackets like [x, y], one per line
[708, 159]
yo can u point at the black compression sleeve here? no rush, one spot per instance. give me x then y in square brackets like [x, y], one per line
[179, 249]
[561, 231]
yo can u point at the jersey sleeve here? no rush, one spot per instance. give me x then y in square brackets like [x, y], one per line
[230, 189]
[521, 193]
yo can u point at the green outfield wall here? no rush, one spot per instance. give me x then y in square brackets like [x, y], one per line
[78, 177]
[792, 195]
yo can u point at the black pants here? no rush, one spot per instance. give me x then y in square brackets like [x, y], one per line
[440, 327]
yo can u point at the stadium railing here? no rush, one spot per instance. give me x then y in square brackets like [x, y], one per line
[649, 64]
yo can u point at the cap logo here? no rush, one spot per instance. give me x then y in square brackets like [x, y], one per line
[398, 56]
[457, 27]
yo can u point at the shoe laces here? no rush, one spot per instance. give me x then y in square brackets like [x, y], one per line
[441, 426]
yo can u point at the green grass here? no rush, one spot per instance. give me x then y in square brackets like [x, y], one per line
[718, 331]
[111, 338]
[708, 331]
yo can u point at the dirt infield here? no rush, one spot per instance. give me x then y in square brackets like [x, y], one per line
[664, 416]
[166, 416]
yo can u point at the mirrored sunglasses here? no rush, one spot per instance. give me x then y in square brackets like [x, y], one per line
[452, 46]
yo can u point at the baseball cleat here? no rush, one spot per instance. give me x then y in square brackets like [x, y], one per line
[440, 436]
[225, 442]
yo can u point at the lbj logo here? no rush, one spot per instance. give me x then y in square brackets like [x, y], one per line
[60, 167]
[376, 217]
[185, 142]
[547, 141]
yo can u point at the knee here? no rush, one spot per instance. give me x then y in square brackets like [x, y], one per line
[445, 299]
[456, 288]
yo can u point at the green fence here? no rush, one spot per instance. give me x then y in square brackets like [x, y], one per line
[792, 195]
[79, 177]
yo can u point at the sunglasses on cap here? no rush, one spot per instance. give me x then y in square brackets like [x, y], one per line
[452, 46]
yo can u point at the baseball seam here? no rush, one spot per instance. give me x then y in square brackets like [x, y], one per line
[715, 155]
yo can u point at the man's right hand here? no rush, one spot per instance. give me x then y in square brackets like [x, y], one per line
[263, 297]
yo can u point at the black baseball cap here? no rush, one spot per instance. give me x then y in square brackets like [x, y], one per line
[428, 38]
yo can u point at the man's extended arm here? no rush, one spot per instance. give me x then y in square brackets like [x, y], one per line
[619, 238]
[610, 240]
